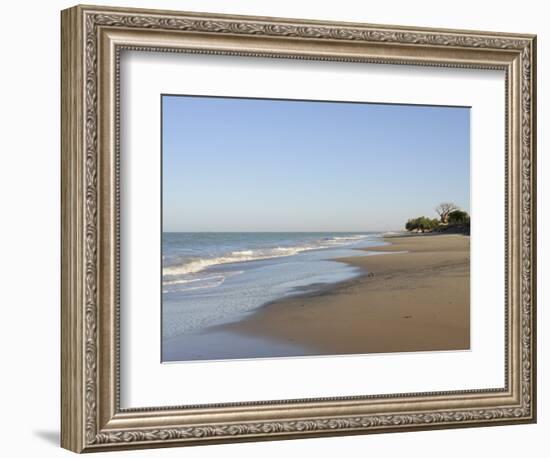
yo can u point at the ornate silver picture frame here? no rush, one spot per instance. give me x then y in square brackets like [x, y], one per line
[93, 39]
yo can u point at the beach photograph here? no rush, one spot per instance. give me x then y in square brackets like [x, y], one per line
[307, 228]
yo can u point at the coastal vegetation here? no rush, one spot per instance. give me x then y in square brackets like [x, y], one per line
[421, 224]
[451, 219]
[444, 209]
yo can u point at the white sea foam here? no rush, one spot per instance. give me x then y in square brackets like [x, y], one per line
[198, 265]
[183, 281]
[188, 284]
[351, 237]
[192, 266]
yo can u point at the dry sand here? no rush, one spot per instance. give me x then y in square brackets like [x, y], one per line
[415, 299]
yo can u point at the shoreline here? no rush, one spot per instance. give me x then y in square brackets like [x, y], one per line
[417, 299]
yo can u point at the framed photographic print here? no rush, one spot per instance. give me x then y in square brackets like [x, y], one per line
[278, 228]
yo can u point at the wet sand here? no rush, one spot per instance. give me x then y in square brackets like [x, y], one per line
[414, 295]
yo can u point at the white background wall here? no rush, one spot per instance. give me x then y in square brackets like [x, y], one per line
[29, 241]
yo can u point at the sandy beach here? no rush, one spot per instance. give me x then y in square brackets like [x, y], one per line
[413, 296]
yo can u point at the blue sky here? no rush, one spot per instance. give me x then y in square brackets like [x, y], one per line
[275, 165]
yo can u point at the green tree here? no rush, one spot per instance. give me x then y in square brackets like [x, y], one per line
[458, 217]
[422, 224]
[411, 224]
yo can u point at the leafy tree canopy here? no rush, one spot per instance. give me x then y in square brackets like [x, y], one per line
[458, 217]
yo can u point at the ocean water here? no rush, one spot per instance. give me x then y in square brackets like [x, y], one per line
[214, 278]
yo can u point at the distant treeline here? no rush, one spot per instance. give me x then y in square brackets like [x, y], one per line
[451, 219]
